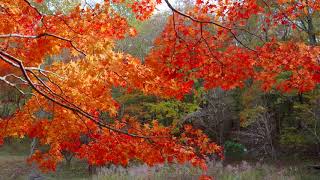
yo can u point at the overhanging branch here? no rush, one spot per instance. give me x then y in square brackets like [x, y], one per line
[40, 36]
[15, 62]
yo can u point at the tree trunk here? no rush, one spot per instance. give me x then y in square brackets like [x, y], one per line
[34, 174]
[68, 157]
[68, 162]
[311, 33]
[92, 169]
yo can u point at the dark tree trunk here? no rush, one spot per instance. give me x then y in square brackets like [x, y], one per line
[92, 169]
[311, 32]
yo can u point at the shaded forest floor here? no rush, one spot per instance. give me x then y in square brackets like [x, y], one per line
[13, 166]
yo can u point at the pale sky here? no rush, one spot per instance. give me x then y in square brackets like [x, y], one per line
[160, 8]
[163, 6]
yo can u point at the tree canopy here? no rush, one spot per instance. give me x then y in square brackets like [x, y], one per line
[65, 66]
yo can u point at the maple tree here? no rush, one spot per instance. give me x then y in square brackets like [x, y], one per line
[73, 94]
[199, 45]
[205, 42]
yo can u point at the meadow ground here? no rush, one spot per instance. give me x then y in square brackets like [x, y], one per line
[14, 167]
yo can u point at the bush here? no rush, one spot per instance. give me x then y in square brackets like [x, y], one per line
[234, 150]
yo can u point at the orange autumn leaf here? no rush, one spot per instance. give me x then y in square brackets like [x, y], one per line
[39, 1]
[132, 32]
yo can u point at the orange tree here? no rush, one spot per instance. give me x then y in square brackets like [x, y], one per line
[74, 93]
[207, 41]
